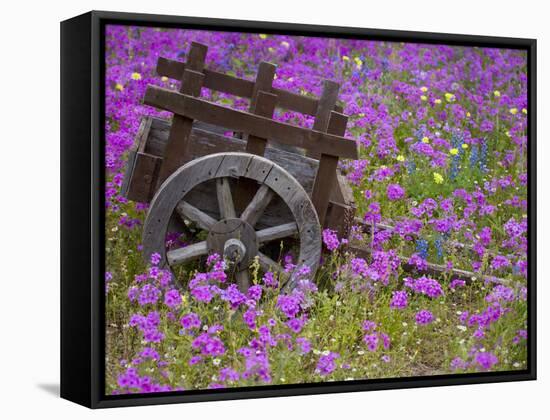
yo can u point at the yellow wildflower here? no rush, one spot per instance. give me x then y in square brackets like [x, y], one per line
[424, 89]
[136, 76]
[496, 93]
[263, 36]
[464, 146]
[424, 98]
[425, 140]
[164, 78]
[524, 110]
[453, 151]
[513, 111]
[450, 97]
[508, 134]
[285, 44]
[345, 58]
[438, 178]
[468, 114]
[271, 49]
[400, 158]
[118, 86]
[437, 101]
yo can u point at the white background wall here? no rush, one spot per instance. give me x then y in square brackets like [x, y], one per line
[29, 233]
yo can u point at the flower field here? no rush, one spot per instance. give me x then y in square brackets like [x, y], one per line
[441, 180]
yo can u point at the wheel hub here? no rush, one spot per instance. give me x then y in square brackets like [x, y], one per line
[234, 239]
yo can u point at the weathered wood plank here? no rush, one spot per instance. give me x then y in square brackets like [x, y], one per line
[327, 101]
[180, 131]
[240, 87]
[190, 212]
[277, 232]
[186, 254]
[325, 180]
[255, 209]
[340, 218]
[264, 107]
[235, 120]
[196, 57]
[204, 143]
[225, 199]
[264, 82]
[139, 146]
[141, 187]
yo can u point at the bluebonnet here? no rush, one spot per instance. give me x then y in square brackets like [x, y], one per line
[439, 247]
[422, 248]
[474, 156]
[483, 156]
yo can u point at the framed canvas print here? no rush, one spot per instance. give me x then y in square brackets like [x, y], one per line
[256, 209]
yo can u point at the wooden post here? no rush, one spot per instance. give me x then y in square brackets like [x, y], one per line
[327, 102]
[192, 80]
[262, 103]
[264, 81]
[265, 106]
[326, 173]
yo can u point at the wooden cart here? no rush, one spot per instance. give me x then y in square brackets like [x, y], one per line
[266, 181]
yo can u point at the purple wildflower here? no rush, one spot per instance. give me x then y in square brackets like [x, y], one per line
[424, 317]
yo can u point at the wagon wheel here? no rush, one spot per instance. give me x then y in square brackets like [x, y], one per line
[233, 237]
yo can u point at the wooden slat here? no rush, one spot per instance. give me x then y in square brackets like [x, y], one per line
[325, 179]
[240, 87]
[264, 107]
[255, 209]
[212, 79]
[262, 103]
[277, 232]
[340, 218]
[196, 57]
[186, 254]
[225, 199]
[180, 131]
[190, 212]
[208, 112]
[141, 187]
[142, 136]
[192, 80]
[327, 101]
[264, 82]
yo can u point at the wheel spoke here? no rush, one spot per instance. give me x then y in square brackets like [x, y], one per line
[187, 211]
[277, 232]
[256, 207]
[268, 264]
[187, 253]
[243, 280]
[225, 199]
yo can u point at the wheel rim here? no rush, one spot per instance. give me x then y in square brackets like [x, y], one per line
[273, 180]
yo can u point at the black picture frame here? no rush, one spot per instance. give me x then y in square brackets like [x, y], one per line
[82, 208]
